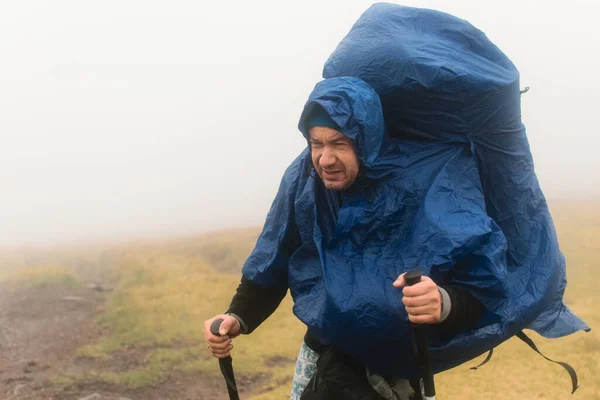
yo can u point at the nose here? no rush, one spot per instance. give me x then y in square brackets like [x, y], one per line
[327, 159]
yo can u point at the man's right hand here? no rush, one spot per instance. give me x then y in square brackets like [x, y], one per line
[220, 346]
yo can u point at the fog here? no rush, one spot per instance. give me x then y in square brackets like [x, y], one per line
[127, 119]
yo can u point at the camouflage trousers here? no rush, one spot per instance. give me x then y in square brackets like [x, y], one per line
[306, 367]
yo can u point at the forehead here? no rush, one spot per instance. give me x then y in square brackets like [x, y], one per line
[324, 134]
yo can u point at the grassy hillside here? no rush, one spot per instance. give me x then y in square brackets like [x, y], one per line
[166, 290]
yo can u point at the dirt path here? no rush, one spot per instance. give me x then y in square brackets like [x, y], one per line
[41, 329]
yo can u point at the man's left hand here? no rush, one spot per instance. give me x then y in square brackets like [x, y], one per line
[423, 300]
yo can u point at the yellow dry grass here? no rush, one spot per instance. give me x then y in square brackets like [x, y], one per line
[168, 288]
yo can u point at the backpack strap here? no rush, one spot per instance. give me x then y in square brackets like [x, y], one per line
[489, 356]
[521, 335]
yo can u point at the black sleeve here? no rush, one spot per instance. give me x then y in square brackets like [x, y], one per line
[465, 311]
[254, 304]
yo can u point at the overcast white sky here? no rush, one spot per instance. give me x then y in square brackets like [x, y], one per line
[134, 118]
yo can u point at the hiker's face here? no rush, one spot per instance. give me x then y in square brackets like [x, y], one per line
[333, 157]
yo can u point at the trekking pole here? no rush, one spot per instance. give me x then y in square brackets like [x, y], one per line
[420, 340]
[226, 365]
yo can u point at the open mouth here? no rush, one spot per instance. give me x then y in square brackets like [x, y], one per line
[331, 173]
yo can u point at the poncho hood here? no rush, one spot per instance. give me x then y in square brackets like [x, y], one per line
[355, 107]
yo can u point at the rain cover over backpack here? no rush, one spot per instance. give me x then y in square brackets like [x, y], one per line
[447, 185]
[442, 80]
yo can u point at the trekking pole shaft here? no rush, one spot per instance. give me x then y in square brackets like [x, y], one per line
[422, 346]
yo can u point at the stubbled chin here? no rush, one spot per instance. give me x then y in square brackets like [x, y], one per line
[336, 185]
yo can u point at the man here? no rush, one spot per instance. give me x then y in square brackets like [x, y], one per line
[445, 184]
[346, 163]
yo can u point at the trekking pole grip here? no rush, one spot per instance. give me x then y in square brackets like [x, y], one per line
[215, 326]
[413, 277]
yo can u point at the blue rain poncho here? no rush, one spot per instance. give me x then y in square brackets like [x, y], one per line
[447, 185]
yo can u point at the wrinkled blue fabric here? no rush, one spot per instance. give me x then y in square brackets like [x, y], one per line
[447, 185]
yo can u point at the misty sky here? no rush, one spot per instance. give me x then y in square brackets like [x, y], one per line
[135, 118]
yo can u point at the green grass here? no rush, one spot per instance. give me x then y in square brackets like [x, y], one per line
[158, 309]
[41, 276]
